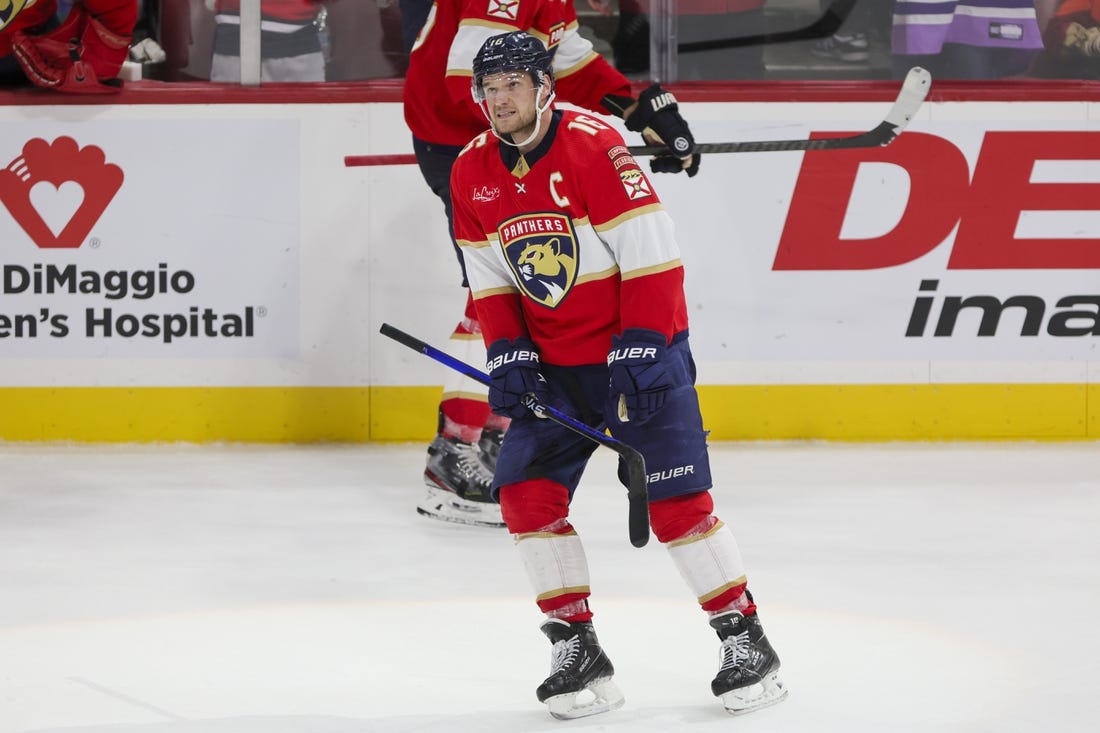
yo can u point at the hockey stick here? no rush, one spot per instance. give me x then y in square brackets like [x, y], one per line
[913, 92]
[399, 159]
[828, 24]
[351, 161]
[636, 490]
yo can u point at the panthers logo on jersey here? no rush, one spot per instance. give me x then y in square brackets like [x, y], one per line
[542, 251]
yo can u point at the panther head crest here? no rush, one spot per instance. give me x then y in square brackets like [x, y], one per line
[546, 270]
[544, 259]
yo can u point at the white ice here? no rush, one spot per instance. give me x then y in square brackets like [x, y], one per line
[236, 589]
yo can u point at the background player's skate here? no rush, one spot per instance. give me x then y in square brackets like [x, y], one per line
[459, 478]
[461, 458]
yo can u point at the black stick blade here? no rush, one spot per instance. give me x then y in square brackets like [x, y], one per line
[637, 495]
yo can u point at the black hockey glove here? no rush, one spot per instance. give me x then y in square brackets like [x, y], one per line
[657, 117]
[639, 380]
[513, 369]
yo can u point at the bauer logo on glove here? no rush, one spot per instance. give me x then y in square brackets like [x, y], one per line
[662, 100]
[511, 357]
[639, 376]
[633, 352]
[515, 383]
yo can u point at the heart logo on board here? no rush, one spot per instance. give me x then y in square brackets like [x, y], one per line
[58, 191]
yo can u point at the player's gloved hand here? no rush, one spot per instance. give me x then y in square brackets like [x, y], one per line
[657, 117]
[1092, 48]
[640, 381]
[1081, 40]
[147, 51]
[83, 55]
[513, 368]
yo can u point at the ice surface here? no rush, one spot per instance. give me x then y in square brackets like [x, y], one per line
[241, 589]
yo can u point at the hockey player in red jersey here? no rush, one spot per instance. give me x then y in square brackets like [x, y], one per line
[578, 287]
[83, 55]
[443, 118]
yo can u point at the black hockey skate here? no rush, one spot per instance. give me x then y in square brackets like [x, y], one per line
[578, 664]
[748, 678]
[458, 484]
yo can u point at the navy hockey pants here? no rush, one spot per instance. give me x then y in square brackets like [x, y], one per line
[672, 441]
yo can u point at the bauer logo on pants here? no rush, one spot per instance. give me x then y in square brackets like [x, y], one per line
[58, 191]
[541, 249]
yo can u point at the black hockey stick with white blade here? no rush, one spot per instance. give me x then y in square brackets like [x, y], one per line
[636, 490]
[913, 91]
[825, 26]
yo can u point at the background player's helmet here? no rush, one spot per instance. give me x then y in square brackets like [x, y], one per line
[515, 51]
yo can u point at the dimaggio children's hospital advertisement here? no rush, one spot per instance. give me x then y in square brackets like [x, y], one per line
[230, 247]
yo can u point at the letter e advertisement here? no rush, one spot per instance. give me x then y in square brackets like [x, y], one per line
[957, 242]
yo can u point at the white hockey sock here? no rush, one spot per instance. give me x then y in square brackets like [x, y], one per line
[555, 562]
[708, 559]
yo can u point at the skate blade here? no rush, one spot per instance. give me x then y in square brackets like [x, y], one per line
[605, 697]
[769, 691]
[433, 513]
[445, 506]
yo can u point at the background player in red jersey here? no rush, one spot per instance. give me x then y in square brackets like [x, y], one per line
[578, 286]
[81, 56]
[442, 117]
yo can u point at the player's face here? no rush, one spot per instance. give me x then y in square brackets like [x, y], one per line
[510, 98]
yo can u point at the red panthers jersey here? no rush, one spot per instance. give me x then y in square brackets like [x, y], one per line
[568, 244]
[20, 15]
[438, 105]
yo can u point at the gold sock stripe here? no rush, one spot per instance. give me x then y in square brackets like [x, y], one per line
[544, 535]
[697, 537]
[719, 591]
[562, 592]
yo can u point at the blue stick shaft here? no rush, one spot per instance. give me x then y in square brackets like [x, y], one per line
[477, 375]
[637, 490]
